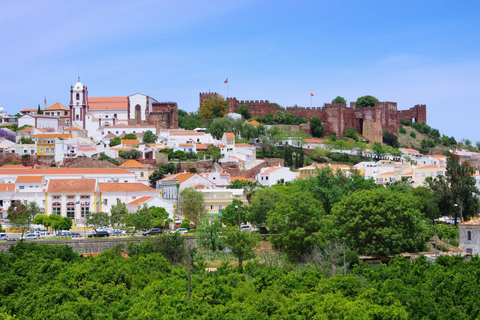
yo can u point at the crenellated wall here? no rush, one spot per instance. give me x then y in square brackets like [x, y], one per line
[337, 117]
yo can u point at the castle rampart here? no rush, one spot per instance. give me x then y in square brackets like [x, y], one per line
[337, 117]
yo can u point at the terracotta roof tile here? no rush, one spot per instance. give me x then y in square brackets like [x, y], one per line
[130, 142]
[7, 187]
[31, 110]
[132, 164]
[237, 158]
[71, 185]
[473, 222]
[87, 149]
[185, 144]
[313, 140]
[57, 106]
[201, 146]
[110, 136]
[72, 128]
[123, 187]
[65, 171]
[51, 135]
[244, 145]
[229, 135]
[270, 170]
[387, 173]
[122, 149]
[140, 200]
[180, 177]
[103, 103]
[239, 179]
[26, 129]
[255, 123]
[431, 167]
[221, 145]
[23, 179]
[14, 166]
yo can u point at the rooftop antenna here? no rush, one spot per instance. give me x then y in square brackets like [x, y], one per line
[78, 79]
[45, 103]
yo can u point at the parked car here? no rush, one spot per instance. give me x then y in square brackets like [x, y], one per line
[152, 232]
[118, 231]
[99, 234]
[180, 231]
[44, 234]
[31, 236]
[3, 236]
[452, 221]
[246, 228]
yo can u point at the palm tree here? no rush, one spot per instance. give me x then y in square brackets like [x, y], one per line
[250, 188]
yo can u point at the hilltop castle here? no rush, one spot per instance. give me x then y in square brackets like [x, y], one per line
[370, 122]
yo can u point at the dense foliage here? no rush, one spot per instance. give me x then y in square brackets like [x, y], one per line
[52, 282]
[366, 101]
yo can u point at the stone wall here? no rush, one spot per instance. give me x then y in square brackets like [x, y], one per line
[337, 117]
[234, 171]
[93, 245]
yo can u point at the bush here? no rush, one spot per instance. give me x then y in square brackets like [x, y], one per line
[185, 224]
[401, 129]
[413, 134]
[405, 122]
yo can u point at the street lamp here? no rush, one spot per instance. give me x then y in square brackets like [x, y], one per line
[460, 206]
[238, 213]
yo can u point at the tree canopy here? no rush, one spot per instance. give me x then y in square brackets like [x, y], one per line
[339, 99]
[214, 107]
[149, 137]
[190, 204]
[365, 102]
[316, 127]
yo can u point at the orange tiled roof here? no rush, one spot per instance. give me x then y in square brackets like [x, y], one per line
[410, 150]
[185, 144]
[240, 160]
[386, 174]
[201, 146]
[229, 135]
[270, 170]
[239, 179]
[130, 142]
[57, 106]
[431, 167]
[72, 185]
[255, 123]
[87, 149]
[224, 174]
[111, 135]
[122, 149]
[65, 171]
[408, 173]
[313, 140]
[221, 145]
[25, 110]
[103, 103]
[180, 177]
[187, 133]
[140, 200]
[72, 128]
[7, 187]
[26, 129]
[199, 186]
[51, 135]
[123, 187]
[132, 164]
[14, 166]
[22, 179]
[243, 145]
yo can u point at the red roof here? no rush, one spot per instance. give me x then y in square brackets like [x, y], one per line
[7, 187]
[229, 135]
[65, 171]
[72, 185]
[140, 200]
[270, 170]
[72, 128]
[57, 106]
[132, 164]
[27, 179]
[108, 103]
[123, 187]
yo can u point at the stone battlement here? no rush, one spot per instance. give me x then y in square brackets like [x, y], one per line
[337, 117]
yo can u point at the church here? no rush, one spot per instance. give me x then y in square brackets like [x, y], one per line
[135, 110]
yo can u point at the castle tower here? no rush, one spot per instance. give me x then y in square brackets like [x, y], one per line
[78, 104]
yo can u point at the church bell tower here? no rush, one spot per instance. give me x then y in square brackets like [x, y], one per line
[78, 104]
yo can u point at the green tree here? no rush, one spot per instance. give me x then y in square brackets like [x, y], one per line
[288, 155]
[24, 140]
[214, 107]
[191, 204]
[57, 222]
[378, 150]
[250, 188]
[140, 220]
[118, 212]
[39, 110]
[115, 142]
[244, 110]
[269, 119]
[339, 99]
[189, 121]
[208, 234]
[262, 202]
[316, 127]
[298, 221]
[160, 215]
[365, 102]
[231, 212]
[214, 152]
[21, 215]
[155, 176]
[149, 137]
[242, 243]
[380, 222]
[390, 139]
[463, 190]
[98, 219]
[129, 136]
[352, 133]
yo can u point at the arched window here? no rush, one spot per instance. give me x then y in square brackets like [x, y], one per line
[78, 96]
[71, 210]
[57, 208]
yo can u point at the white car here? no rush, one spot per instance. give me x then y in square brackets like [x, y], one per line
[3, 236]
[246, 228]
[31, 236]
[180, 231]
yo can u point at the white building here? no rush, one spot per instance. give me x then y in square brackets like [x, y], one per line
[271, 175]
[22, 149]
[113, 193]
[39, 121]
[469, 236]
[151, 201]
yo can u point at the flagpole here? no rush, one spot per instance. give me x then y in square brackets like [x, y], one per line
[227, 87]
[311, 97]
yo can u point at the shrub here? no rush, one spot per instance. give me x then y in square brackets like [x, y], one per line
[413, 134]
[401, 129]
[185, 224]
[405, 122]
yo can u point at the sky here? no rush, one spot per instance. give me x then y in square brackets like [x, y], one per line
[409, 52]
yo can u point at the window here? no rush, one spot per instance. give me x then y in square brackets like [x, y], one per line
[141, 174]
[106, 116]
[55, 197]
[70, 197]
[71, 210]
[47, 150]
[469, 235]
[220, 208]
[423, 174]
[84, 197]
[78, 96]
[52, 150]
[57, 208]
[41, 150]
[266, 178]
[105, 202]
[21, 187]
[212, 207]
[84, 211]
[76, 117]
[118, 200]
[114, 115]
[469, 250]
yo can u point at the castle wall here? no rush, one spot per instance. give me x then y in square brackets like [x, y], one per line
[338, 117]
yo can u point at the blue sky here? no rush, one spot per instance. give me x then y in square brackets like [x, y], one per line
[410, 52]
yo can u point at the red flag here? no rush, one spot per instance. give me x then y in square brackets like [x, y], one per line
[311, 93]
[226, 81]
